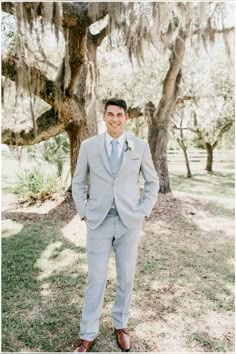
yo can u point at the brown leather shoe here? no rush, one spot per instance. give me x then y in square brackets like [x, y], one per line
[123, 339]
[83, 346]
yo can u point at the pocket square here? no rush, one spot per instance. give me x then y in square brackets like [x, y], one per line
[136, 157]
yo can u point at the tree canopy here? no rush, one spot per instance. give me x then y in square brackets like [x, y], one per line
[67, 82]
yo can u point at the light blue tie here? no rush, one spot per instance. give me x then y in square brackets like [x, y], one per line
[114, 154]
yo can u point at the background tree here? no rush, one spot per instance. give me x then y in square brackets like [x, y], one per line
[164, 94]
[205, 113]
[71, 94]
[181, 138]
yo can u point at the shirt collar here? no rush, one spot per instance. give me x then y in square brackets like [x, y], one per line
[120, 140]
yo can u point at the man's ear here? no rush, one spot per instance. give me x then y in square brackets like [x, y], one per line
[126, 116]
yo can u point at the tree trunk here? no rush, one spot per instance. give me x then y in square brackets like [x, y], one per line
[159, 151]
[158, 133]
[158, 119]
[75, 138]
[209, 157]
[85, 92]
[184, 148]
[189, 175]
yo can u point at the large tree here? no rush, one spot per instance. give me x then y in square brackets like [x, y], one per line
[207, 111]
[71, 101]
[154, 88]
[71, 96]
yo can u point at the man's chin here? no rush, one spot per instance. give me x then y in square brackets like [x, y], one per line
[115, 131]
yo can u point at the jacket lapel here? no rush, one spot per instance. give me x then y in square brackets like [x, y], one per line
[101, 147]
[126, 154]
[103, 153]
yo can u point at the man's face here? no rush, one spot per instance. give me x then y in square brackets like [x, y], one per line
[115, 119]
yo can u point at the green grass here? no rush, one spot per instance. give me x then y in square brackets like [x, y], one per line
[29, 319]
[204, 184]
[42, 298]
[218, 189]
[205, 272]
[207, 343]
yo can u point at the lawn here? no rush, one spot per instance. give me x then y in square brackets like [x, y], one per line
[184, 291]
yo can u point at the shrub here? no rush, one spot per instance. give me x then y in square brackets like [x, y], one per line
[55, 151]
[33, 185]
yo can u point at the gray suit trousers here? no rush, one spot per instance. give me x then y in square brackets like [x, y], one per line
[111, 234]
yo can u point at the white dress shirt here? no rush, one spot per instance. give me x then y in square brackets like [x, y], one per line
[120, 145]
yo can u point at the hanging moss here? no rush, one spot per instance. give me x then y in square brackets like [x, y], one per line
[158, 23]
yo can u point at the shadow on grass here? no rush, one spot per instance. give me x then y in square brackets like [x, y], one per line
[217, 184]
[43, 283]
[40, 314]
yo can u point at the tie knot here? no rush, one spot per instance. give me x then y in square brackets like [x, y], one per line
[114, 142]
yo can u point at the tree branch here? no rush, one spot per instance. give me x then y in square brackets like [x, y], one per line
[47, 127]
[42, 52]
[8, 7]
[135, 112]
[213, 30]
[177, 128]
[222, 131]
[98, 38]
[74, 13]
[45, 60]
[45, 88]
[175, 65]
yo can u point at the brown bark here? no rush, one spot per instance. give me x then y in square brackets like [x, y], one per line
[158, 119]
[209, 150]
[76, 136]
[184, 148]
[80, 130]
[74, 104]
[43, 87]
[74, 13]
[203, 136]
[48, 126]
[189, 174]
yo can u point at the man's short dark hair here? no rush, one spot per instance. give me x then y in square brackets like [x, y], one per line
[116, 102]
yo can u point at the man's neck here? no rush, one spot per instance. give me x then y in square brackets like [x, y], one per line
[115, 136]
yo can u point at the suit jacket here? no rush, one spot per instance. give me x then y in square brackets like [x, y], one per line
[105, 186]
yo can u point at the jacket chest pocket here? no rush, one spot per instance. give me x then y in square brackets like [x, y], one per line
[135, 165]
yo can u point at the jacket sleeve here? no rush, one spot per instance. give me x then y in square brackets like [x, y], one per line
[79, 189]
[151, 182]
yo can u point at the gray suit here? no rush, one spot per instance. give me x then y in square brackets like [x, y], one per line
[104, 186]
[105, 231]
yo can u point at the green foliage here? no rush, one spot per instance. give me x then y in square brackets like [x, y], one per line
[53, 151]
[210, 344]
[198, 143]
[32, 185]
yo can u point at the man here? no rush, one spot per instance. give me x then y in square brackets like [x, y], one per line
[114, 212]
